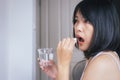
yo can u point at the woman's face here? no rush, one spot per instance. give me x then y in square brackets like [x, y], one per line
[83, 32]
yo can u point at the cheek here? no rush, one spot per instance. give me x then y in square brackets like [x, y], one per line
[90, 31]
[75, 30]
[89, 34]
[89, 37]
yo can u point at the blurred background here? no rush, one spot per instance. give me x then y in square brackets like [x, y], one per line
[25, 26]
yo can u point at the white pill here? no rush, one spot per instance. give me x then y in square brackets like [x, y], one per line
[75, 40]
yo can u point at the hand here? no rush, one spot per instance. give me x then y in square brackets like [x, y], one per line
[64, 51]
[49, 68]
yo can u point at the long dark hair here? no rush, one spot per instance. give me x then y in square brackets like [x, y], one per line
[103, 15]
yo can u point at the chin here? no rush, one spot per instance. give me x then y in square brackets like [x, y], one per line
[82, 49]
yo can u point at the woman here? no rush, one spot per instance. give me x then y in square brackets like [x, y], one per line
[97, 29]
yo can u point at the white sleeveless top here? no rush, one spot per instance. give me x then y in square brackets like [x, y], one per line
[115, 59]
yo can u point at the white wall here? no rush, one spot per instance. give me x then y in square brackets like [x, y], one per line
[3, 41]
[17, 39]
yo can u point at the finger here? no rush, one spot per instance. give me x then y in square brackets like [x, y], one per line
[63, 42]
[46, 70]
[59, 44]
[72, 43]
[42, 62]
[42, 68]
[59, 47]
[38, 59]
[43, 65]
[67, 43]
[51, 62]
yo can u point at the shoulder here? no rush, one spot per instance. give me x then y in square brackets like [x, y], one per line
[104, 59]
[103, 62]
[101, 66]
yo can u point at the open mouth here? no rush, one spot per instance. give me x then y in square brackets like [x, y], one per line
[81, 39]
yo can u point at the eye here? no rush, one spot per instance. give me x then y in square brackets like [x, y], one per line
[75, 20]
[86, 21]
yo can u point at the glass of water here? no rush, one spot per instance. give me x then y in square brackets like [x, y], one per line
[45, 54]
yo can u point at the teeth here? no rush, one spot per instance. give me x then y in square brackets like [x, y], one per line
[75, 40]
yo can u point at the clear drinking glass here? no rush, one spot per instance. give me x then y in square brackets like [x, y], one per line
[45, 54]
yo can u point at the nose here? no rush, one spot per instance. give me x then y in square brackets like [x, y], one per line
[78, 28]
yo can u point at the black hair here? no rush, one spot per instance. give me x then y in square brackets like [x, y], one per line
[103, 15]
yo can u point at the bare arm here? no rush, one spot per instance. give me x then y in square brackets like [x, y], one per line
[102, 67]
[64, 55]
[63, 73]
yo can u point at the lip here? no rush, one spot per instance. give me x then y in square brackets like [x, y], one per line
[79, 42]
[79, 36]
